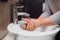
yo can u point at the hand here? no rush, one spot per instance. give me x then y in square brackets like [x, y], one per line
[30, 24]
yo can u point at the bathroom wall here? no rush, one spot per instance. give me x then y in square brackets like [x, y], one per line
[5, 14]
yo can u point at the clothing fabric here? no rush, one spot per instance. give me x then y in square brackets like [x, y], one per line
[33, 7]
[54, 6]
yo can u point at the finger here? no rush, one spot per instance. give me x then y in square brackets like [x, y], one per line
[33, 24]
[27, 28]
[23, 27]
[31, 27]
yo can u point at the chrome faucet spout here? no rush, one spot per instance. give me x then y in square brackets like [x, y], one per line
[18, 16]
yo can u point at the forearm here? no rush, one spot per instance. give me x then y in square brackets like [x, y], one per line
[46, 22]
[53, 19]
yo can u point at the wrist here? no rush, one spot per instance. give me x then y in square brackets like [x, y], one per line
[46, 22]
[38, 23]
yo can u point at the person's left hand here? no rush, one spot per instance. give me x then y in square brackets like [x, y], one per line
[30, 24]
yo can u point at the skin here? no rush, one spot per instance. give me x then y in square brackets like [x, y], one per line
[32, 23]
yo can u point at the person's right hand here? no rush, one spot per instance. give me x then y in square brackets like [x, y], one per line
[30, 24]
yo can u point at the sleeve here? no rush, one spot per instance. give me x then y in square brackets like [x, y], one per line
[56, 18]
[46, 11]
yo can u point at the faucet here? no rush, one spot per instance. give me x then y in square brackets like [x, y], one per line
[17, 16]
[21, 14]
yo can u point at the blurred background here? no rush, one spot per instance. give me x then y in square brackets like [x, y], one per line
[9, 7]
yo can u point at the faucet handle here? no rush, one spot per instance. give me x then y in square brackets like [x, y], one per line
[18, 16]
[23, 15]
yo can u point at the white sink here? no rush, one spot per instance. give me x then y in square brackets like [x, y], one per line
[18, 34]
